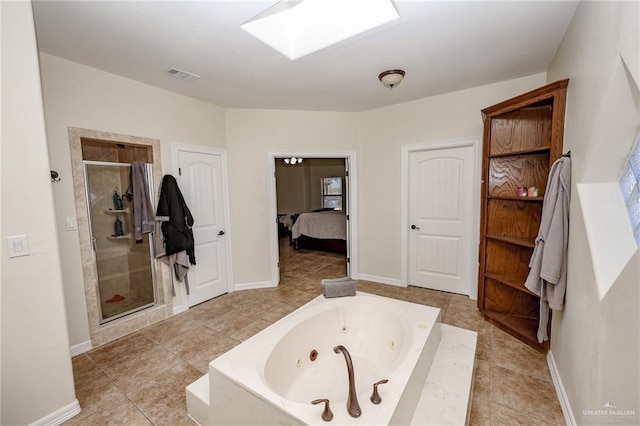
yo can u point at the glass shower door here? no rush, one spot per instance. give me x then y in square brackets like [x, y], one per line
[125, 270]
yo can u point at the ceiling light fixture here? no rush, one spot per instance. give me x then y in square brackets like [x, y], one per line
[293, 160]
[391, 78]
[296, 28]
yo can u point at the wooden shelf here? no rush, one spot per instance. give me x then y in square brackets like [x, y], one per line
[514, 198]
[513, 240]
[120, 237]
[512, 282]
[540, 150]
[524, 328]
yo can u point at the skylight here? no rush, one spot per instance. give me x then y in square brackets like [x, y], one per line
[297, 28]
[630, 186]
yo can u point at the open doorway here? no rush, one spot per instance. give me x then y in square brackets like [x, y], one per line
[312, 212]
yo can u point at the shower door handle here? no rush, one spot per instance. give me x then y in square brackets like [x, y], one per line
[221, 233]
[95, 248]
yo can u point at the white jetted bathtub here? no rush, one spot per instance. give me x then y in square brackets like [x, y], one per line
[272, 377]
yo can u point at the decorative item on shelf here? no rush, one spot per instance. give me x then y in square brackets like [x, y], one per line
[522, 191]
[293, 160]
[117, 200]
[118, 228]
[391, 78]
[532, 191]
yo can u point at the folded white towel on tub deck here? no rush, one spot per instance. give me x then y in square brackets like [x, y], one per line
[338, 287]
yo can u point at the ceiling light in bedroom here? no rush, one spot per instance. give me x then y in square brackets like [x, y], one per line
[391, 78]
[296, 28]
[293, 160]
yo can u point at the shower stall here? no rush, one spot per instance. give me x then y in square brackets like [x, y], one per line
[125, 269]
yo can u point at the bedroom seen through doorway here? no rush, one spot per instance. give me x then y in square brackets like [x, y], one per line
[312, 227]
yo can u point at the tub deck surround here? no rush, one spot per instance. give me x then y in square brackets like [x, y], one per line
[270, 378]
[446, 395]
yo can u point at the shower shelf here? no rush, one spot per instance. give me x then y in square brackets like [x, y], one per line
[120, 237]
[110, 211]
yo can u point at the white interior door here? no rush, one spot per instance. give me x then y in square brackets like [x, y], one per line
[441, 209]
[201, 179]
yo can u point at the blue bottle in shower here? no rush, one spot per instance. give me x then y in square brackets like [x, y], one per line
[118, 229]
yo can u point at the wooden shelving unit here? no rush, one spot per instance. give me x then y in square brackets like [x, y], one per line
[522, 139]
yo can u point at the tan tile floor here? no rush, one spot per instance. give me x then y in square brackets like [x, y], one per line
[140, 379]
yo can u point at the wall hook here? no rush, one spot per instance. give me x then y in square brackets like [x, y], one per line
[54, 176]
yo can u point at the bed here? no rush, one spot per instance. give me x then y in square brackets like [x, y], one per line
[321, 230]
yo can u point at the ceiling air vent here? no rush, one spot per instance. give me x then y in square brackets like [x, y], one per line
[182, 75]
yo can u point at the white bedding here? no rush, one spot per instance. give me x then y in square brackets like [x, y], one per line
[330, 224]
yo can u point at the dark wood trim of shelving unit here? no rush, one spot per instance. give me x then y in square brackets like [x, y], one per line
[522, 152]
[527, 99]
[512, 282]
[513, 240]
[518, 322]
[519, 327]
[514, 198]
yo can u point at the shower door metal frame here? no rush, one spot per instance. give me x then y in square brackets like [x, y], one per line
[157, 296]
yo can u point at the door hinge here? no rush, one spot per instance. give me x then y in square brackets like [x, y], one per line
[346, 173]
[179, 171]
[347, 217]
[278, 265]
[348, 260]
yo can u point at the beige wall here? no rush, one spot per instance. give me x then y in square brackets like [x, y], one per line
[298, 186]
[251, 134]
[291, 185]
[596, 342]
[321, 168]
[83, 97]
[384, 131]
[36, 365]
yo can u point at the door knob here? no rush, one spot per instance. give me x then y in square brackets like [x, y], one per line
[221, 233]
[414, 227]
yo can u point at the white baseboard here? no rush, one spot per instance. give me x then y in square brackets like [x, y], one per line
[80, 348]
[179, 308]
[59, 416]
[562, 395]
[381, 280]
[253, 286]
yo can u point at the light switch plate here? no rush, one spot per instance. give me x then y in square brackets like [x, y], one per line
[72, 224]
[18, 245]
